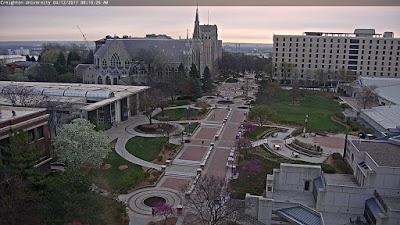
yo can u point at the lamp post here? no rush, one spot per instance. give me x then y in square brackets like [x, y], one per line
[190, 125]
[305, 126]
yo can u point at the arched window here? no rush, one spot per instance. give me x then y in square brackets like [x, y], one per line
[123, 72]
[104, 62]
[99, 80]
[127, 63]
[108, 80]
[115, 60]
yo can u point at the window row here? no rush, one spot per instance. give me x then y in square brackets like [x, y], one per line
[338, 40]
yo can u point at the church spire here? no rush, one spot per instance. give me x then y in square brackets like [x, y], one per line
[196, 33]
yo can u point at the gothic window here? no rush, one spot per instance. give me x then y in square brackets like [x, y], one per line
[123, 72]
[99, 80]
[127, 62]
[115, 60]
[104, 62]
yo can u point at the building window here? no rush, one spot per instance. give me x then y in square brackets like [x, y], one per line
[115, 61]
[40, 132]
[307, 185]
[104, 62]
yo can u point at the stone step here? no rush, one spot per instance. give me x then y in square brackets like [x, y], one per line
[184, 162]
[173, 173]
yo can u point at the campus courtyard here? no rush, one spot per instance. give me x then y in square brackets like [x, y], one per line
[208, 149]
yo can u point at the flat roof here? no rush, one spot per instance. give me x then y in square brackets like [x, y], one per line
[6, 112]
[346, 180]
[98, 91]
[382, 152]
[119, 90]
[386, 116]
[392, 203]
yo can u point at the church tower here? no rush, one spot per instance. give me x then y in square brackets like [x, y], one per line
[196, 32]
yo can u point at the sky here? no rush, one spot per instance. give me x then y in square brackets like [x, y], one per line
[245, 24]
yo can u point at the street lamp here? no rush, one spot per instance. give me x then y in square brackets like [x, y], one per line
[190, 125]
[305, 126]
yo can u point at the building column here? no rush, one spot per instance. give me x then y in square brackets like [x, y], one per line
[118, 111]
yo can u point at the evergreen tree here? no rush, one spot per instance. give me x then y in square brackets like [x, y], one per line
[33, 59]
[181, 70]
[207, 82]
[195, 87]
[27, 58]
[39, 59]
[19, 157]
[73, 58]
[89, 58]
[61, 64]
[193, 71]
[19, 181]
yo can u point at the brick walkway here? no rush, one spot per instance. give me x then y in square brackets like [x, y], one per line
[178, 184]
[194, 152]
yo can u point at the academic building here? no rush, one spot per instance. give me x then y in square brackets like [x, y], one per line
[33, 120]
[362, 53]
[137, 61]
[304, 194]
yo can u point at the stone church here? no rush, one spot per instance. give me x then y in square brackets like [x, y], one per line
[137, 61]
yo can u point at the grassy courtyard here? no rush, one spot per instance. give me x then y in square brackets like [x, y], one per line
[318, 107]
[145, 148]
[116, 180]
[180, 114]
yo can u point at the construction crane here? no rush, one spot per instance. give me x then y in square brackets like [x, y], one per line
[84, 37]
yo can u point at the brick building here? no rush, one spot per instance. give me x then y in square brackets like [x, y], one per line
[32, 120]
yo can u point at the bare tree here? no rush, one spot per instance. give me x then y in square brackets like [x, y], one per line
[295, 87]
[155, 60]
[150, 102]
[211, 202]
[366, 96]
[22, 96]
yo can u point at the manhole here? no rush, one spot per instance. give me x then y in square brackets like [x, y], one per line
[153, 201]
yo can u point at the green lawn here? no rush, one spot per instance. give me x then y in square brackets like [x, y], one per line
[179, 114]
[257, 132]
[318, 108]
[145, 148]
[116, 180]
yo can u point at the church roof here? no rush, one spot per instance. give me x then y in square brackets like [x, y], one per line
[173, 49]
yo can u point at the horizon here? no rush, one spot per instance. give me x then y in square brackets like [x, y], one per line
[235, 24]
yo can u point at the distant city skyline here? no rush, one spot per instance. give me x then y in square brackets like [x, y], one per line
[235, 24]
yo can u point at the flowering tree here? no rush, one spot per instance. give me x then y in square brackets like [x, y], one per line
[251, 166]
[80, 146]
[248, 127]
[243, 145]
[164, 209]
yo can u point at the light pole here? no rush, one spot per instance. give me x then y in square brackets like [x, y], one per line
[305, 126]
[190, 124]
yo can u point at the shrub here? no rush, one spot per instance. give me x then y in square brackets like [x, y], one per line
[336, 156]
[327, 168]
[238, 195]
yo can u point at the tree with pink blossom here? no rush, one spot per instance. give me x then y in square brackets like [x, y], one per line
[243, 145]
[164, 209]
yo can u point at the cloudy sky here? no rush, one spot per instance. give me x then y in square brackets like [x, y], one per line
[251, 24]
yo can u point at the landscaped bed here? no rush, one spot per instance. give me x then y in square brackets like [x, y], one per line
[180, 114]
